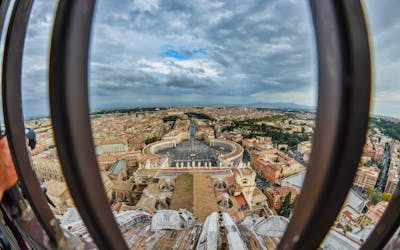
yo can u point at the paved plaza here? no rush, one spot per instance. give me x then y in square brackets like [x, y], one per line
[193, 150]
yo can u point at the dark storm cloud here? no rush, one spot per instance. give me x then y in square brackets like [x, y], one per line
[186, 82]
[230, 48]
[110, 82]
[202, 51]
[251, 39]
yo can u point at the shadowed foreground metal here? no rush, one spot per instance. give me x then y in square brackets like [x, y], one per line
[342, 120]
[14, 122]
[70, 114]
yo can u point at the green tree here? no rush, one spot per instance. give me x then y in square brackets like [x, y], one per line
[171, 118]
[263, 127]
[285, 209]
[386, 196]
[369, 190]
[375, 198]
[150, 140]
[348, 228]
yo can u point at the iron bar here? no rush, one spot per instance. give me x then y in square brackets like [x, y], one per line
[14, 123]
[342, 119]
[69, 107]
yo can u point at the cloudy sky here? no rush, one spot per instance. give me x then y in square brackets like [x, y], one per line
[154, 52]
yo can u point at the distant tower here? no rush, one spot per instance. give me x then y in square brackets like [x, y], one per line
[246, 179]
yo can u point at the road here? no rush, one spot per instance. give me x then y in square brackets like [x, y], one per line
[382, 179]
[246, 156]
[296, 157]
[261, 182]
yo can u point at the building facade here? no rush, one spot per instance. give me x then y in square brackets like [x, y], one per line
[366, 177]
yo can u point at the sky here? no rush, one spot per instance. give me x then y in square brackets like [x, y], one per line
[206, 52]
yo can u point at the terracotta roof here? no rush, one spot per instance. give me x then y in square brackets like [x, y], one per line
[218, 193]
[236, 215]
[241, 200]
[348, 214]
[230, 181]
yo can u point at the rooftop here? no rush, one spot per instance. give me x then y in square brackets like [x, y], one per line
[195, 193]
[101, 149]
[117, 167]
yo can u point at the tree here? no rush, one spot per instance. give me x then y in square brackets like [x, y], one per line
[150, 140]
[369, 190]
[375, 198]
[263, 127]
[348, 228]
[171, 118]
[285, 209]
[386, 196]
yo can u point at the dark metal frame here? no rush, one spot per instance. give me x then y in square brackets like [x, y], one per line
[342, 120]
[69, 107]
[14, 122]
[3, 12]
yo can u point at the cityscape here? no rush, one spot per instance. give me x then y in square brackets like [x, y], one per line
[205, 177]
[206, 117]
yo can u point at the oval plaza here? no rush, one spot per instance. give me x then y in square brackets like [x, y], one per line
[194, 150]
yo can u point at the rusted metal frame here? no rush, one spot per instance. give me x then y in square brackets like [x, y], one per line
[386, 227]
[342, 120]
[14, 123]
[69, 107]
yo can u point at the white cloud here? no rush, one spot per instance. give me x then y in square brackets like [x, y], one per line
[145, 5]
[202, 68]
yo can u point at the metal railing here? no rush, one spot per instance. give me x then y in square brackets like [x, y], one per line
[341, 125]
[69, 107]
[342, 120]
[14, 121]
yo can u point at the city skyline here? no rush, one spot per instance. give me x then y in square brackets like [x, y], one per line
[152, 53]
[245, 163]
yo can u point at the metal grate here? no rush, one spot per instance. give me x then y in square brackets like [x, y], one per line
[14, 121]
[71, 122]
[342, 119]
